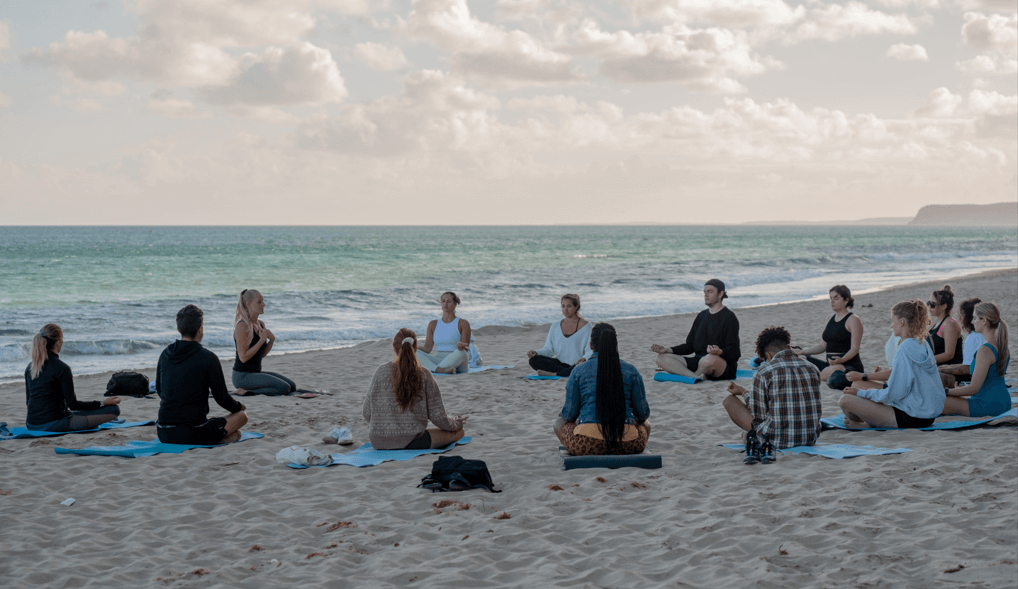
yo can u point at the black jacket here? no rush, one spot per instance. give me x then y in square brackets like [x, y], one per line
[185, 374]
[50, 396]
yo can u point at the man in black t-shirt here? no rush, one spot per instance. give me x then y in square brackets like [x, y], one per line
[711, 350]
[185, 375]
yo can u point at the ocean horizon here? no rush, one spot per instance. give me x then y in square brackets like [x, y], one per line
[115, 290]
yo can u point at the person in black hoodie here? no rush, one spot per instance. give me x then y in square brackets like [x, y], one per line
[49, 390]
[185, 374]
[711, 350]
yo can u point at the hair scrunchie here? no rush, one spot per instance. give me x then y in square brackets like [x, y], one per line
[408, 340]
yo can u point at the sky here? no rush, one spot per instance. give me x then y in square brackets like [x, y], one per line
[447, 112]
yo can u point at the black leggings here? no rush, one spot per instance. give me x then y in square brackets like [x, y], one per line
[853, 365]
[83, 420]
[551, 365]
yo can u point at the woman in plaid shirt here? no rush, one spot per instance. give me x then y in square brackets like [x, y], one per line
[784, 402]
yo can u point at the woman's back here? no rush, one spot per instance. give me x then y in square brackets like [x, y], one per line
[392, 427]
[583, 381]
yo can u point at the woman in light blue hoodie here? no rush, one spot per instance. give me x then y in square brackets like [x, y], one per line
[913, 396]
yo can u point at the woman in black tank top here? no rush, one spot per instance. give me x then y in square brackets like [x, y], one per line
[946, 335]
[842, 338]
[253, 342]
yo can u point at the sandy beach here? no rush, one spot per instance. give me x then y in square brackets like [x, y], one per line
[944, 514]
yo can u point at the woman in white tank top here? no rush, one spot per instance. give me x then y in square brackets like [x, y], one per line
[447, 346]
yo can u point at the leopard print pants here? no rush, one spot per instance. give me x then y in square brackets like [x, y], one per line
[578, 445]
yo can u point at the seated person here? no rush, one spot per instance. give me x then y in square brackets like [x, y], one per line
[913, 396]
[842, 337]
[449, 337]
[401, 398]
[712, 347]
[253, 342]
[951, 374]
[783, 405]
[562, 352]
[49, 390]
[606, 407]
[945, 336]
[987, 394]
[185, 374]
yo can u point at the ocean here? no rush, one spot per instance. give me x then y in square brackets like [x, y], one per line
[116, 290]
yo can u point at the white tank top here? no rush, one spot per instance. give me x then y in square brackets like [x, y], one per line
[447, 335]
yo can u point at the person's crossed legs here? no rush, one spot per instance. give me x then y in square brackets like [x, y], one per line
[862, 413]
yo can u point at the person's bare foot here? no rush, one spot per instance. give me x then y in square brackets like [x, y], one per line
[234, 437]
[546, 373]
[853, 424]
[450, 370]
[241, 392]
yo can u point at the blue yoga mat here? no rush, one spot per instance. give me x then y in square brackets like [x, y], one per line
[368, 456]
[18, 433]
[476, 370]
[648, 461]
[539, 377]
[142, 449]
[835, 451]
[838, 422]
[666, 377]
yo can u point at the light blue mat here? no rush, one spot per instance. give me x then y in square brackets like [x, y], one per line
[754, 362]
[539, 377]
[476, 370]
[838, 422]
[18, 433]
[142, 449]
[666, 377]
[835, 451]
[368, 456]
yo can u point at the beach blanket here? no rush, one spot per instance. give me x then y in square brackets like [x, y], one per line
[142, 449]
[838, 422]
[666, 377]
[18, 433]
[539, 377]
[368, 456]
[835, 451]
[478, 369]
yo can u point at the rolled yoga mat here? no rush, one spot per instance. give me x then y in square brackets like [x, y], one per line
[648, 461]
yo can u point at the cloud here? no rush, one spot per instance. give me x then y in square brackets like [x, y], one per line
[986, 64]
[702, 59]
[997, 5]
[4, 100]
[942, 103]
[381, 57]
[484, 51]
[996, 33]
[729, 13]
[291, 76]
[903, 52]
[839, 21]
[162, 103]
[5, 38]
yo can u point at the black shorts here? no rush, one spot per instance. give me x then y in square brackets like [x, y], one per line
[906, 421]
[693, 361]
[421, 442]
[209, 433]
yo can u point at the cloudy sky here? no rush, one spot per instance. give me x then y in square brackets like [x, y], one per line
[502, 111]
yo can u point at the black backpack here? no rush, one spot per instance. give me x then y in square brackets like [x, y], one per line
[453, 473]
[128, 384]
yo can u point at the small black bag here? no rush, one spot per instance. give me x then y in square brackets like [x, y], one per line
[838, 380]
[452, 473]
[128, 384]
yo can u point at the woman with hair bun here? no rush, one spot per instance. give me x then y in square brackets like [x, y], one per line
[950, 373]
[449, 338]
[49, 390]
[945, 337]
[564, 351]
[402, 397]
[253, 342]
[841, 338]
[913, 395]
[606, 407]
[987, 394]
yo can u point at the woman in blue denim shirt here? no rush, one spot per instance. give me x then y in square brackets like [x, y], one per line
[606, 405]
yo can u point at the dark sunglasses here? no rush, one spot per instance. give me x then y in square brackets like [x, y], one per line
[932, 304]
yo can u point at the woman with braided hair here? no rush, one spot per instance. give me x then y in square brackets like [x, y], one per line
[987, 394]
[49, 390]
[606, 407]
[913, 395]
[402, 397]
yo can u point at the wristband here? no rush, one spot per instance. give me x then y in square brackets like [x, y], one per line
[865, 376]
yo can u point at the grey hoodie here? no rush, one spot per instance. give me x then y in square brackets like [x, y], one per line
[914, 386]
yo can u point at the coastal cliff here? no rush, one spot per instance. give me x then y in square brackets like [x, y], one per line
[1001, 214]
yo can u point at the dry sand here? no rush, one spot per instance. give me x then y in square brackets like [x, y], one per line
[233, 517]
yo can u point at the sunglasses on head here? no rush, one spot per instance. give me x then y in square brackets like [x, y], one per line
[932, 304]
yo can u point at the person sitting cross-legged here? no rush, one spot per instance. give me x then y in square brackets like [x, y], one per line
[711, 350]
[185, 374]
[783, 406]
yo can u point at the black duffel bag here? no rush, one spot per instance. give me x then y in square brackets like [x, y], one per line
[453, 473]
[127, 384]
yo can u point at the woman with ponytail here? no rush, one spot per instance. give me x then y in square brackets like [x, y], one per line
[606, 407]
[253, 342]
[987, 394]
[913, 395]
[49, 390]
[945, 337]
[402, 397]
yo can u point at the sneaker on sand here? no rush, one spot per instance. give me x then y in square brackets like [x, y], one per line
[767, 454]
[342, 435]
[752, 448]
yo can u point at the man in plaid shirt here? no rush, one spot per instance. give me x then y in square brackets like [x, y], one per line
[784, 403]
